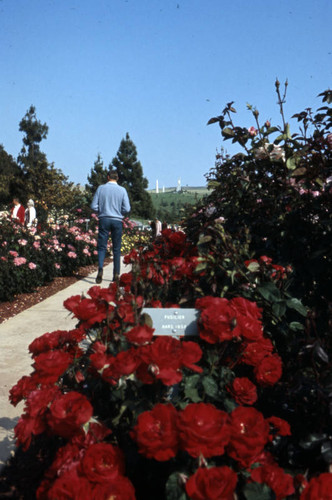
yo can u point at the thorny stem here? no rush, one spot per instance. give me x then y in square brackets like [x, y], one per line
[281, 100]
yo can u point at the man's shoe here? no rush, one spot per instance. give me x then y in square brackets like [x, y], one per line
[99, 277]
[116, 277]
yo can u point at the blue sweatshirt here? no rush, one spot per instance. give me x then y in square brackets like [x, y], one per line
[111, 200]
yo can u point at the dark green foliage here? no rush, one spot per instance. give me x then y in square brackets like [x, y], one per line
[131, 177]
[274, 199]
[9, 171]
[98, 176]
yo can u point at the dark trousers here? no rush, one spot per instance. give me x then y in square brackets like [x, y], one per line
[108, 225]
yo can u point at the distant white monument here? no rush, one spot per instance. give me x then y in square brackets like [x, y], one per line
[157, 187]
[163, 189]
[179, 185]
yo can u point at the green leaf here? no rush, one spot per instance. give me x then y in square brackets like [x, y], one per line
[312, 441]
[269, 292]
[291, 163]
[228, 132]
[200, 267]
[253, 267]
[299, 171]
[256, 491]
[295, 326]
[204, 239]
[190, 388]
[298, 306]
[210, 387]
[214, 120]
[174, 489]
[279, 308]
[229, 405]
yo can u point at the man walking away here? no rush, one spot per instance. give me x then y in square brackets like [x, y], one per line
[111, 202]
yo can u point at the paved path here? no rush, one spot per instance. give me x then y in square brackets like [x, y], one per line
[15, 336]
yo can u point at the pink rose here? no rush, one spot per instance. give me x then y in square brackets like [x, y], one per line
[252, 131]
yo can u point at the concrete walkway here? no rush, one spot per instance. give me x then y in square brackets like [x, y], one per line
[15, 336]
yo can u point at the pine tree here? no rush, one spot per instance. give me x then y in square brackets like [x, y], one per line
[131, 177]
[41, 180]
[98, 176]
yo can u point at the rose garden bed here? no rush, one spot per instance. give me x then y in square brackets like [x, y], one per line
[241, 411]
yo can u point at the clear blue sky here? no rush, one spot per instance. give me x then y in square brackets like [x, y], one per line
[158, 69]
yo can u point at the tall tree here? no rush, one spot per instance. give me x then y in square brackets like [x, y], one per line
[98, 176]
[131, 177]
[10, 174]
[32, 160]
[42, 181]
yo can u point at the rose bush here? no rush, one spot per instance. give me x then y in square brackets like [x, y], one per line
[239, 411]
[29, 257]
[163, 410]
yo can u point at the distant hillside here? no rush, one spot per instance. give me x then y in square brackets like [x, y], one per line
[202, 190]
[171, 204]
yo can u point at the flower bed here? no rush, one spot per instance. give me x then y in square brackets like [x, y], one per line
[126, 413]
[30, 258]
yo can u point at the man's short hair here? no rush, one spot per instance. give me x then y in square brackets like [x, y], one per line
[113, 175]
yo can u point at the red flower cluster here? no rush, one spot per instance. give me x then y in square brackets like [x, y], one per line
[162, 359]
[87, 468]
[201, 429]
[48, 410]
[318, 487]
[223, 319]
[213, 483]
[264, 263]
[172, 258]
[275, 477]
[237, 319]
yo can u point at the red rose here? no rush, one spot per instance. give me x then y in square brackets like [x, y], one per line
[99, 357]
[68, 413]
[140, 334]
[120, 489]
[163, 357]
[244, 391]
[89, 310]
[276, 479]
[247, 318]
[131, 257]
[24, 386]
[203, 430]
[70, 486]
[156, 432]
[215, 483]
[191, 353]
[176, 239]
[28, 426]
[246, 308]
[54, 340]
[249, 435]
[120, 365]
[279, 426]
[67, 458]
[256, 351]
[102, 462]
[217, 320]
[318, 488]
[126, 280]
[51, 365]
[38, 400]
[269, 371]
[106, 294]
